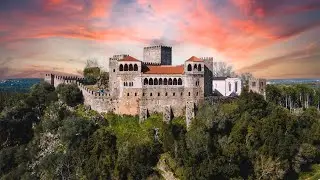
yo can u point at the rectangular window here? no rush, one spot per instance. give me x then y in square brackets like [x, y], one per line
[135, 94]
[253, 84]
[158, 94]
[236, 86]
[174, 94]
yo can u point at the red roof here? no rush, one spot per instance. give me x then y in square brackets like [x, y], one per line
[195, 59]
[129, 58]
[164, 69]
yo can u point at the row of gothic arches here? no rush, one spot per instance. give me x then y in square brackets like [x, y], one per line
[130, 67]
[197, 67]
[164, 81]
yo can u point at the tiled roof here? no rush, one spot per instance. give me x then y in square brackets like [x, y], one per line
[164, 69]
[195, 59]
[129, 58]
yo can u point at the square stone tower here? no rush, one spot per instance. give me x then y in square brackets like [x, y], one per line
[161, 55]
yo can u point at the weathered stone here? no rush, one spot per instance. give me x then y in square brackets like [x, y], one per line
[143, 115]
[190, 112]
[167, 115]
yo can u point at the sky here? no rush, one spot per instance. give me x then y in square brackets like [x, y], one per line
[268, 38]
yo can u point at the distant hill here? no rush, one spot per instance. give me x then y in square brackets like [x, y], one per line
[18, 85]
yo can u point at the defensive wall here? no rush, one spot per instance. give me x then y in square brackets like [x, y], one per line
[100, 102]
[170, 101]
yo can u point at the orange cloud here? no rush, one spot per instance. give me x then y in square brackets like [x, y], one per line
[100, 8]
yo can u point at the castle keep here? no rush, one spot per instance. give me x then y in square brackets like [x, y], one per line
[151, 85]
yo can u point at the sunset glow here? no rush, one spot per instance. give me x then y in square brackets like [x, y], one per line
[271, 39]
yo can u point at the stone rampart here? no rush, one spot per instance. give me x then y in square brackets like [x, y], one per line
[170, 101]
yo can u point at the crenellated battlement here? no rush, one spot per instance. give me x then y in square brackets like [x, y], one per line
[157, 47]
[151, 63]
[158, 54]
[120, 55]
[130, 94]
[207, 58]
[64, 77]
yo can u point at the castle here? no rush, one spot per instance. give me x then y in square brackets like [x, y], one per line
[152, 85]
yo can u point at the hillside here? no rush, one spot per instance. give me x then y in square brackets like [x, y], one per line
[49, 134]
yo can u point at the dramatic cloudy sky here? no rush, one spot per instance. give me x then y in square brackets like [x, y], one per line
[270, 38]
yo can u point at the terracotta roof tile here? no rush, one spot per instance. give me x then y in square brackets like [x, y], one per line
[164, 69]
[195, 59]
[129, 58]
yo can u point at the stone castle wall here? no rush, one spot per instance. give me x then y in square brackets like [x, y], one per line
[157, 55]
[97, 101]
[208, 75]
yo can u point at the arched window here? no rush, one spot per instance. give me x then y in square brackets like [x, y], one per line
[145, 81]
[130, 67]
[199, 67]
[236, 86]
[175, 82]
[121, 67]
[195, 67]
[170, 81]
[135, 67]
[229, 86]
[126, 67]
[150, 81]
[124, 83]
[155, 81]
[189, 67]
[165, 81]
[160, 81]
[179, 81]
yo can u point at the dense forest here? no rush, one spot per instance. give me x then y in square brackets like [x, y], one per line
[295, 96]
[49, 134]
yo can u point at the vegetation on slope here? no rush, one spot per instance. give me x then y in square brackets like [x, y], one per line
[41, 137]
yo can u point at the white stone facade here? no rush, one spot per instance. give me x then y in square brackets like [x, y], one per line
[226, 86]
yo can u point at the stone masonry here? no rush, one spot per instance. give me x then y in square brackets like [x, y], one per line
[153, 85]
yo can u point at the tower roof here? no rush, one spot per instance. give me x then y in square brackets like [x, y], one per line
[194, 59]
[129, 58]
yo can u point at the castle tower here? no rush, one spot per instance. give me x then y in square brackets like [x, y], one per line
[161, 55]
[113, 71]
[194, 82]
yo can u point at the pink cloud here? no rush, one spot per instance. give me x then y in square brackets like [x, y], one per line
[100, 8]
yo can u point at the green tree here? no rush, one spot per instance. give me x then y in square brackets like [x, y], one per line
[40, 96]
[70, 94]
